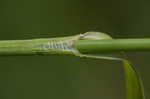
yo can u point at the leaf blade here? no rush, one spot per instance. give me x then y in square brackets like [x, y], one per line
[134, 87]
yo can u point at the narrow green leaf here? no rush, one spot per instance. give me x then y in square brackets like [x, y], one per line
[134, 87]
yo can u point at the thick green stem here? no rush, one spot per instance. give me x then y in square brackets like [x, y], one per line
[23, 47]
[34, 46]
[114, 45]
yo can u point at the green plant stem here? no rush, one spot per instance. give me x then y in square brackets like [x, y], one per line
[33, 46]
[41, 46]
[22, 47]
[114, 45]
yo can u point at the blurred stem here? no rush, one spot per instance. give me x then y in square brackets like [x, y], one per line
[114, 45]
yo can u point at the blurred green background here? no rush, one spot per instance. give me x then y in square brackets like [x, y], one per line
[69, 77]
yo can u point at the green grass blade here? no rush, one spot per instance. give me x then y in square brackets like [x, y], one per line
[134, 85]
